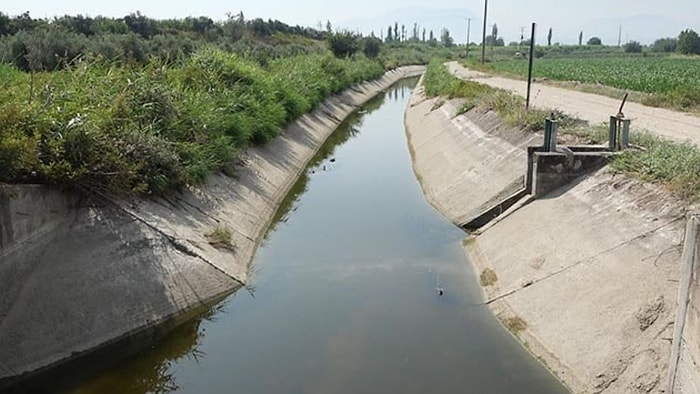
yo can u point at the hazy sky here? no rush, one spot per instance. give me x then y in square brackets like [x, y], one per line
[645, 17]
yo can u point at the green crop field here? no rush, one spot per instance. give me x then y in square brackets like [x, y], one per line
[673, 81]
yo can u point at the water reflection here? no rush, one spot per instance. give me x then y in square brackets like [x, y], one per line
[347, 130]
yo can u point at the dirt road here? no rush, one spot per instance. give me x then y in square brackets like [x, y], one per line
[593, 108]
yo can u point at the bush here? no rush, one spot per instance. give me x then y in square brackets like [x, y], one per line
[633, 47]
[43, 49]
[689, 43]
[151, 129]
[594, 41]
[666, 45]
[371, 47]
[343, 44]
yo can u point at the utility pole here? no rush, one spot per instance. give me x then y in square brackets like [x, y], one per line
[483, 38]
[529, 69]
[619, 37]
[469, 29]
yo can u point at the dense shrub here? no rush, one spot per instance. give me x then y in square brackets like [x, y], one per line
[159, 127]
[667, 45]
[633, 47]
[371, 47]
[689, 43]
[343, 44]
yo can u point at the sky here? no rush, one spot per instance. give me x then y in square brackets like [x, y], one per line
[641, 20]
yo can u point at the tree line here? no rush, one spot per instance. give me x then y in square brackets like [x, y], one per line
[417, 34]
[47, 44]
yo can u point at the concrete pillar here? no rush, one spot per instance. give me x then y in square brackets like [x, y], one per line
[625, 143]
[551, 127]
[614, 122]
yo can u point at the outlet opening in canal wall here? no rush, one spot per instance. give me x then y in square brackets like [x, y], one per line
[551, 167]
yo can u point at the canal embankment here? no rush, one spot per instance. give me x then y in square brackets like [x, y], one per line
[81, 272]
[586, 276]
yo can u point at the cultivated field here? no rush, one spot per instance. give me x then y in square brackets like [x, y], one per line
[669, 81]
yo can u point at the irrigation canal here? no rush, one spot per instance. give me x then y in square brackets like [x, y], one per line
[345, 296]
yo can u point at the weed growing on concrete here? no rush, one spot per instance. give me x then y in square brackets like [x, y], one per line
[515, 324]
[220, 238]
[488, 277]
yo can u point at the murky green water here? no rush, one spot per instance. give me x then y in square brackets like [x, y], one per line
[344, 297]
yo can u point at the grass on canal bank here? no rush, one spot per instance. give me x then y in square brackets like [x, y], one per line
[439, 82]
[154, 128]
[676, 165]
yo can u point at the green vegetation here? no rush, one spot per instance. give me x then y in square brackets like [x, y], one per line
[673, 164]
[439, 82]
[488, 277]
[343, 44]
[46, 45]
[668, 81]
[688, 43]
[220, 238]
[651, 76]
[137, 105]
[515, 324]
[158, 127]
[633, 47]
[397, 54]
[594, 41]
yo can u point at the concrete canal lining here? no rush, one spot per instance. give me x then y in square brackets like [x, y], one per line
[684, 371]
[591, 268]
[79, 273]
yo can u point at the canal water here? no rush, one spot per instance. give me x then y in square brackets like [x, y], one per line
[345, 293]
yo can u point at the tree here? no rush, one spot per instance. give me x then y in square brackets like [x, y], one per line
[688, 43]
[343, 43]
[633, 47]
[389, 35]
[432, 41]
[580, 38]
[372, 46]
[498, 42]
[4, 24]
[403, 32]
[445, 38]
[665, 45]
[549, 37]
[423, 34]
[396, 32]
[594, 41]
[494, 37]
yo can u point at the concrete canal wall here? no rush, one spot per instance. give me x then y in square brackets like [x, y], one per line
[80, 273]
[586, 276]
[684, 373]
